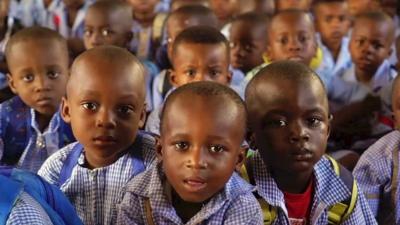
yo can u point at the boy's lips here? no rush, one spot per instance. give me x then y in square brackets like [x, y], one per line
[302, 154]
[194, 184]
[43, 101]
[104, 140]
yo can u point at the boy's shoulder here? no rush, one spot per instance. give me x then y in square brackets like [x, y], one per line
[14, 103]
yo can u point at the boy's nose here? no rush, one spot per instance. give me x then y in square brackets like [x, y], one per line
[42, 83]
[298, 133]
[105, 119]
[197, 158]
[294, 45]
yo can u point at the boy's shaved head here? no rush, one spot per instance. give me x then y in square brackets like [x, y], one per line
[211, 90]
[282, 70]
[380, 18]
[108, 55]
[201, 14]
[119, 7]
[36, 34]
[201, 35]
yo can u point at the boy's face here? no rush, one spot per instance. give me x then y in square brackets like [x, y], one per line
[291, 38]
[143, 6]
[289, 124]
[199, 155]
[247, 44]
[4, 8]
[200, 62]
[224, 9]
[293, 4]
[370, 45]
[105, 106]
[38, 74]
[175, 25]
[332, 22]
[105, 28]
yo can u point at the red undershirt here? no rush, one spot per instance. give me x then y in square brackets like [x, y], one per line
[299, 205]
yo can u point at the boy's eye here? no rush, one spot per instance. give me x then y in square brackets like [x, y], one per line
[303, 38]
[88, 32]
[90, 106]
[190, 72]
[214, 73]
[181, 145]
[276, 123]
[283, 40]
[106, 32]
[232, 44]
[314, 122]
[53, 74]
[125, 110]
[217, 148]
[28, 77]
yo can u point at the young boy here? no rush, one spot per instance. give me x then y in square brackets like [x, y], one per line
[361, 96]
[377, 170]
[225, 10]
[198, 53]
[199, 149]
[105, 104]
[289, 128]
[31, 128]
[291, 36]
[247, 41]
[332, 23]
[177, 21]
[146, 21]
[109, 23]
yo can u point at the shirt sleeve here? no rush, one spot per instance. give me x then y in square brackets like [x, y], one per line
[244, 210]
[28, 212]
[130, 210]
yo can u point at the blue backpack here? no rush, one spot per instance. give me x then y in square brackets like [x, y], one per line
[53, 201]
[72, 159]
[15, 119]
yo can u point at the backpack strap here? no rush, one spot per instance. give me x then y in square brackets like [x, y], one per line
[69, 164]
[158, 26]
[342, 210]
[149, 212]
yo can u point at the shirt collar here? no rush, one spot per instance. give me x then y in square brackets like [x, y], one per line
[51, 128]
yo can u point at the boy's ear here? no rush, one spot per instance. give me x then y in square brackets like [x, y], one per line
[11, 83]
[158, 148]
[65, 114]
[330, 118]
[172, 78]
[143, 115]
[241, 157]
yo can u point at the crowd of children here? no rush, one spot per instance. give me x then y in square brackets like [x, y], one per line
[199, 112]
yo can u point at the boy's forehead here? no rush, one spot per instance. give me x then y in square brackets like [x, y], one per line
[292, 19]
[372, 28]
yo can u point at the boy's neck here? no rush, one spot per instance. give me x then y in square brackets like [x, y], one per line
[292, 183]
[42, 121]
[364, 77]
[95, 160]
[144, 19]
[185, 210]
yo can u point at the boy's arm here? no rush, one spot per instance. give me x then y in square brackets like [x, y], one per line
[51, 168]
[130, 210]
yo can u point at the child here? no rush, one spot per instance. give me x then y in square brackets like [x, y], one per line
[176, 22]
[291, 36]
[105, 104]
[361, 96]
[109, 23]
[332, 23]
[289, 128]
[31, 128]
[247, 41]
[199, 148]
[377, 170]
[68, 20]
[198, 53]
[28, 199]
[225, 10]
[147, 28]
[282, 5]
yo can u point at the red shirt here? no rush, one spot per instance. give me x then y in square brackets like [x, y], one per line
[299, 205]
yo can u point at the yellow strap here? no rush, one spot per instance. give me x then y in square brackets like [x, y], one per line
[158, 26]
[315, 61]
[334, 164]
[149, 212]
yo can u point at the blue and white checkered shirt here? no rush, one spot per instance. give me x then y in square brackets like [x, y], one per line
[374, 173]
[27, 211]
[329, 190]
[95, 193]
[234, 205]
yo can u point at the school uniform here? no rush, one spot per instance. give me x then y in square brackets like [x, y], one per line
[22, 144]
[59, 21]
[378, 177]
[34, 13]
[235, 204]
[95, 193]
[328, 190]
[343, 61]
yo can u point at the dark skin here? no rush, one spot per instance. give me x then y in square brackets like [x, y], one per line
[289, 123]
